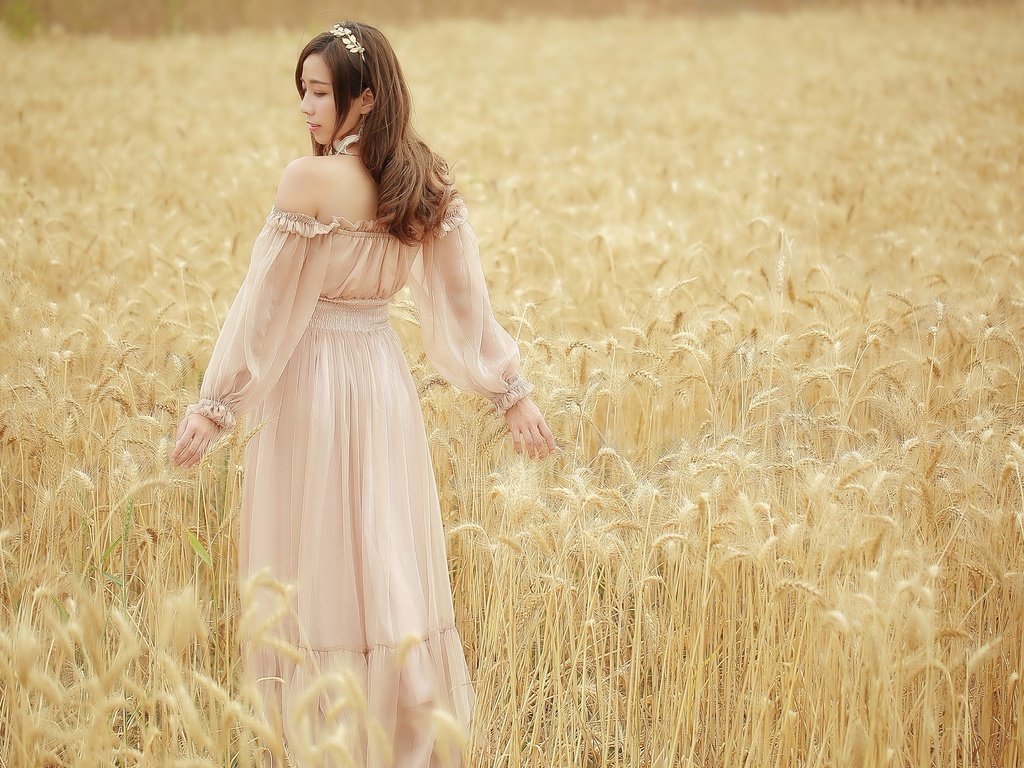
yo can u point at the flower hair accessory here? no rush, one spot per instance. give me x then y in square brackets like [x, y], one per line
[349, 39]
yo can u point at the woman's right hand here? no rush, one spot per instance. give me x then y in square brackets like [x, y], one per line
[195, 434]
[529, 430]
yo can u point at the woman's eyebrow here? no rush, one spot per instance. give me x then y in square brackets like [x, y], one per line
[317, 82]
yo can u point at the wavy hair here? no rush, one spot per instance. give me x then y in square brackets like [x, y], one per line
[414, 182]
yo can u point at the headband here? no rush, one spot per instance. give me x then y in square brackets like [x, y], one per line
[349, 39]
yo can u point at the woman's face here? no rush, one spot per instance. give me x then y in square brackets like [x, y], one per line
[318, 102]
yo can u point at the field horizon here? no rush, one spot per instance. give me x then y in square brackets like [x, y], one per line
[147, 18]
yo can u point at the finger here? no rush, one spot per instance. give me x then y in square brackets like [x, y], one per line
[547, 440]
[548, 436]
[194, 453]
[183, 451]
[538, 443]
[528, 443]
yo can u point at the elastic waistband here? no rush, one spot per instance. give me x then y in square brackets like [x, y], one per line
[350, 314]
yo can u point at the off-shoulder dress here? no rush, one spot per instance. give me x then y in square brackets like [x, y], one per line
[339, 493]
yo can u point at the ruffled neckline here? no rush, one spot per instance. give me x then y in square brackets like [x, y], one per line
[310, 226]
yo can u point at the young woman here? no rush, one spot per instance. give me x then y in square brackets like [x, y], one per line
[339, 496]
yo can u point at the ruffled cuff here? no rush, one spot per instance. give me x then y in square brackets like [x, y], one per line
[216, 411]
[518, 388]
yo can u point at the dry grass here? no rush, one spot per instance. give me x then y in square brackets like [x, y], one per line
[767, 273]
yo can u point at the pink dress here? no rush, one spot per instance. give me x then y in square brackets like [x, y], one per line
[340, 497]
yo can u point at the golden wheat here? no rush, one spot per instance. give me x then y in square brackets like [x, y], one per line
[768, 280]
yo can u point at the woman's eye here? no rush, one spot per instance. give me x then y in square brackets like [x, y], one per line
[317, 93]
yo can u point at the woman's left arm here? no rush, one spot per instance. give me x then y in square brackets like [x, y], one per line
[461, 336]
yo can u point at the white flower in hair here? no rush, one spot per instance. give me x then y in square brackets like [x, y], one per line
[348, 38]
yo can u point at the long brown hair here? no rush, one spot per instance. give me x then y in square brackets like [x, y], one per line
[414, 182]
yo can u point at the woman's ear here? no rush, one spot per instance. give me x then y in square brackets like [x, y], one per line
[368, 100]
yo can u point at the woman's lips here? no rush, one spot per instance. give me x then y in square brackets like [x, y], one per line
[313, 126]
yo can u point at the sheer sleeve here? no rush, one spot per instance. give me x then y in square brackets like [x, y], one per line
[461, 336]
[267, 318]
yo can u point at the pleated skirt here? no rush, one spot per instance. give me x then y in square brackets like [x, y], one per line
[340, 504]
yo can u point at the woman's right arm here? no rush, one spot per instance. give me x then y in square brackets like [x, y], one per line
[268, 316]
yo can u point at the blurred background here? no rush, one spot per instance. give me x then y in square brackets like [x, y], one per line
[148, 17]
[764, 261]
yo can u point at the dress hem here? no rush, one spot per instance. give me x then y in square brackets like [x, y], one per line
[430, 669]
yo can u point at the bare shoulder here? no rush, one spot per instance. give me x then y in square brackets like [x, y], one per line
[299, 187]
[323, 187]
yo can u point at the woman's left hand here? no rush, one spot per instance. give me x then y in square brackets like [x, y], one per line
[195, 434]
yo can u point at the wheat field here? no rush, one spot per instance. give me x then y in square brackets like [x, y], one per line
[767, 272]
